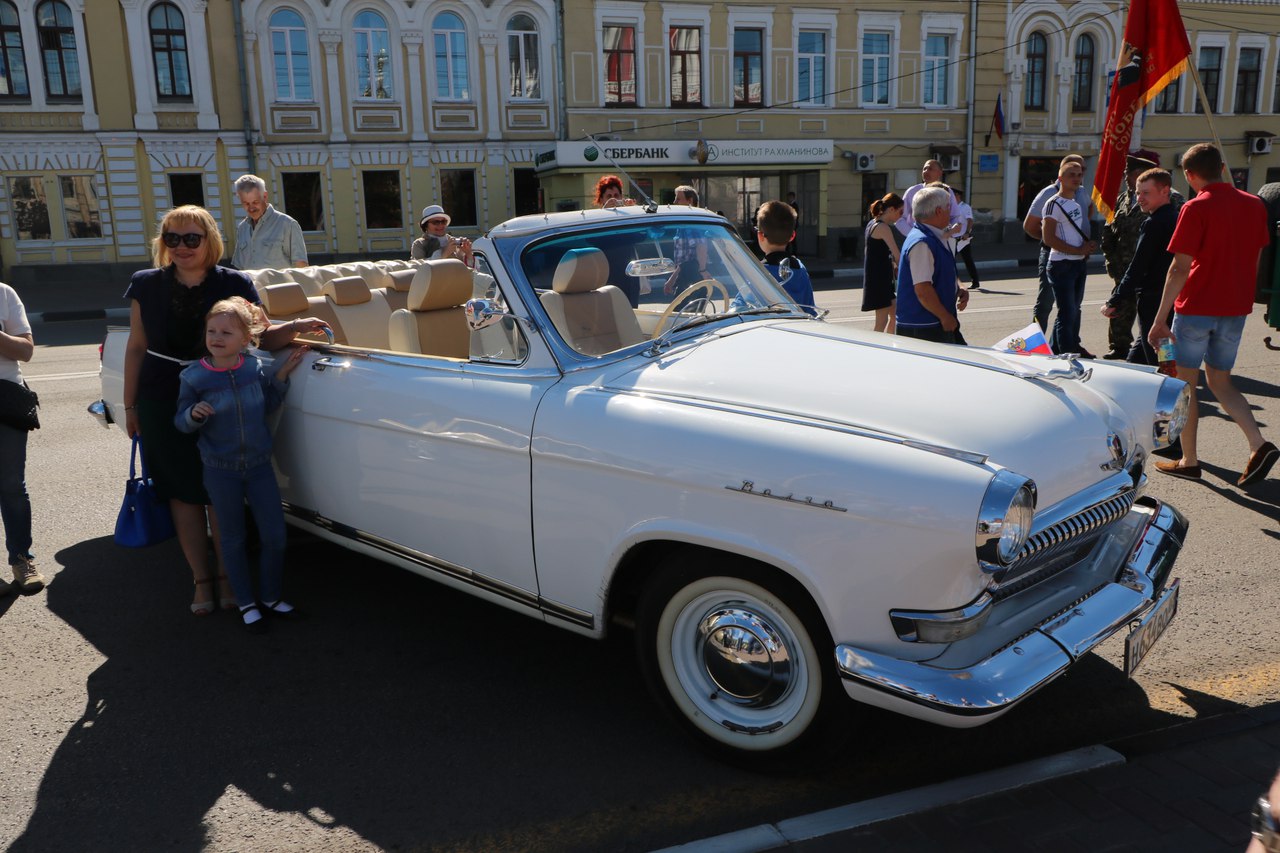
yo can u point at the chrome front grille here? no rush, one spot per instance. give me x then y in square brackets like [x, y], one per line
[1062, 544]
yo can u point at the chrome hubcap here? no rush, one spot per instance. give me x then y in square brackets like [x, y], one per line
[745, 657]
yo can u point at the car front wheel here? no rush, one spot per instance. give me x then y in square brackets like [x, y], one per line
[739, 666]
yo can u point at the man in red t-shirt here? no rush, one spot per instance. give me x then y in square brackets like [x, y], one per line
[1215, 246]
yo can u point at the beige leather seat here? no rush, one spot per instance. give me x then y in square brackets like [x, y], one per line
[434, 323]
[312, 279]
[285, 302]
[261, 278]
[397, 289]
[364, 314]
[592, 316]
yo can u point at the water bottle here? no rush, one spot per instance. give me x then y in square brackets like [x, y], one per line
[1167, 363]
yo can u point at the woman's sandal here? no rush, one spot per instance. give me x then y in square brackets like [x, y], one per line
[203, 608]
[226, 603]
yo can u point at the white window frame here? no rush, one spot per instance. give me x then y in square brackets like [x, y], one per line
[611, 14]
[753, 18]
[814, 20]
[536, 32]
[271, 32]
[880, 22]
[1256, 42]
[468, 60]
[1223, 42]
[938, 24]
[687, 16]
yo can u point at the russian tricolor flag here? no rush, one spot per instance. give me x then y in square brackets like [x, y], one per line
[1026, 341]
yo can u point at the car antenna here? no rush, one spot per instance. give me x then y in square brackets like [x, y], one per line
[650, 206]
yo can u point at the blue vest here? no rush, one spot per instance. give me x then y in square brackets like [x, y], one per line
[909, 311]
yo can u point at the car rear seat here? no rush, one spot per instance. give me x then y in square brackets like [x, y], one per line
[285, 302]
[397, 289]
[261, 278]
[434, 323]
[363, 313]
[311, 278]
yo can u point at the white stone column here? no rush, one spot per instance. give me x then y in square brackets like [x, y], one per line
[200, 69]
[90, 119]
[140, 65]
[1062, 109]
[417, 96]
[492, 86]
[330, 39]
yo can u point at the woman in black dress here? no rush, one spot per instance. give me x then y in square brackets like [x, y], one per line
[166, 333]
[880, 261]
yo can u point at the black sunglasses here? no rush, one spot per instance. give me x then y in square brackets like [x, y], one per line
[191, 241]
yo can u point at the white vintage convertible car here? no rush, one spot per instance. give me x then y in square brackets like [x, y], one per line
[787, 513]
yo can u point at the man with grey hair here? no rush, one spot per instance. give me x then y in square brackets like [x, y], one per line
[689, 250]
[266, 239]
[928, 299]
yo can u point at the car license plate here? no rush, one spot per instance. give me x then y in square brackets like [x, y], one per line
[1143, 637]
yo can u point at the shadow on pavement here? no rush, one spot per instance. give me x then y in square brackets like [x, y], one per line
[421, 718]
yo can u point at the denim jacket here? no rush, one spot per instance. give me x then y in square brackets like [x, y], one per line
[235, 437]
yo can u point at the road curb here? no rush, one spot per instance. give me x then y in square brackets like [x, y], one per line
[758, 839]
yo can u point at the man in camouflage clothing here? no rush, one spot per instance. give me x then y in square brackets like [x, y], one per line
[1119, 239]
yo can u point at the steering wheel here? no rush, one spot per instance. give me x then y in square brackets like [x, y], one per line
[710, 285]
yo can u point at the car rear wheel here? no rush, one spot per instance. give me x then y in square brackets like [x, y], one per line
[742, 663]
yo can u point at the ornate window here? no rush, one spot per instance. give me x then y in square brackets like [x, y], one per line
[620, 66]
[1037, 71]
[449, 35]
[1082, 85]
[169, 53]
[748, 68]
[937, 70]
[290, 56]
[373, 57]
[522, 56]
[58, 50]
[1248, 75]
[686, 66]
[876, 62]
[13, 64]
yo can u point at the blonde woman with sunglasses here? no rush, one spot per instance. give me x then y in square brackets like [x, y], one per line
[166, 333]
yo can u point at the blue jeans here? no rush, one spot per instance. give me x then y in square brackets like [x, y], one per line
[1044, 294]
[15, 505]
[229, 490]
[1067, 279]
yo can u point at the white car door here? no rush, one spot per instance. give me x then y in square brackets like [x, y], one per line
[425, 459]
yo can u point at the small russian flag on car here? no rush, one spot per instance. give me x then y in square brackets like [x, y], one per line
[1026, 341]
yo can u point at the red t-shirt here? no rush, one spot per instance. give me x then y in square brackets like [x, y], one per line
[1223, 230]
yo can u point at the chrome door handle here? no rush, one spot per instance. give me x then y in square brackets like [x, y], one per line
[326, 362]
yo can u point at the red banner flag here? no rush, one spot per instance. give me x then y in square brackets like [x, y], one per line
[1155, 52]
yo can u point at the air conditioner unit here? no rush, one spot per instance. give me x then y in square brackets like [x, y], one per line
[864, 162]
[1259, 145]
[950, 162]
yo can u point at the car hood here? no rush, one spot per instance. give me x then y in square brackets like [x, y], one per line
[964, 398]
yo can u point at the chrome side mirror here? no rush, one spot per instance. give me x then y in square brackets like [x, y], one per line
[483, 313]
[784, 270]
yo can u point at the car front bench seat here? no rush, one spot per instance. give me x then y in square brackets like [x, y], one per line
[434, 321]
[592, 316]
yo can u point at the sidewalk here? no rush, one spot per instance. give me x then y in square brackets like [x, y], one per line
[1189, 788]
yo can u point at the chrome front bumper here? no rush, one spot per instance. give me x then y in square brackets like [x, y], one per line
[1153, 536]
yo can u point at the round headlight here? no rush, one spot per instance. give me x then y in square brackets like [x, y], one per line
[1004, 521]
[1173, 402]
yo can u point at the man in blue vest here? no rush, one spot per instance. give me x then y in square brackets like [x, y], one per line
[928, 299]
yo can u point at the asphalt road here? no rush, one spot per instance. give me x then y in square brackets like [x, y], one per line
[404, 716]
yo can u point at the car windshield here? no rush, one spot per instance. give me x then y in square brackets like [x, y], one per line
[632, 282]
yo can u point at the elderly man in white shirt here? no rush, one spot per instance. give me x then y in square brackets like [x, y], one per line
[266, 239]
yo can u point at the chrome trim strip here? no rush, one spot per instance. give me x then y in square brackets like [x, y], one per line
[779, 416]
[444, 567]
[749, 488]
[1021, 668]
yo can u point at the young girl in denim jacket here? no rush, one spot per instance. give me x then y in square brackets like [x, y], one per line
[227, 397]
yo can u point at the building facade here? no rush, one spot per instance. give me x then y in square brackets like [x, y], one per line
[359, 113]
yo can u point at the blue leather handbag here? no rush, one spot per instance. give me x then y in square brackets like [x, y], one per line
[144, 519]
